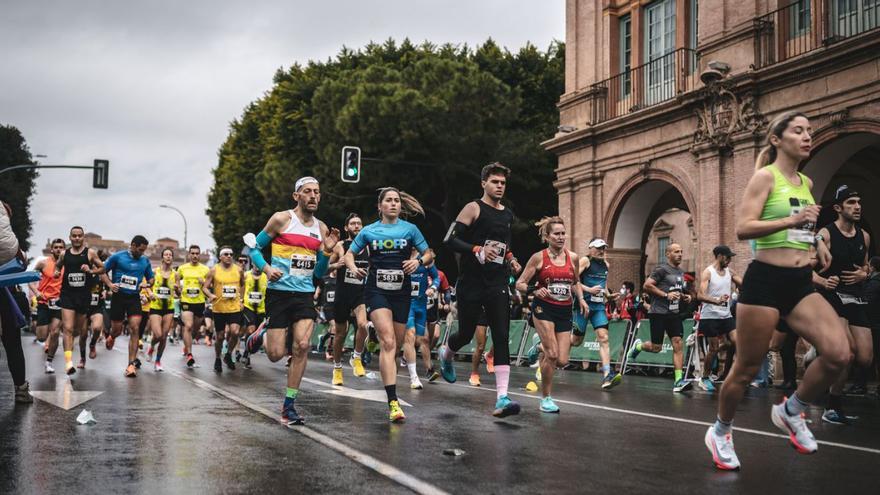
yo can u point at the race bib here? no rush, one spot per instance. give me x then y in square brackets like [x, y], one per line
[128, 282]
[850, 299]
[673, 306]
[389, 279]
[415, 289]
[559, 291]
[502, 250]
[53, 304]
[163, 293]
[255, 297]
[331, 296]
[598, 298]
[302, 265]
[229, 291]
[76, 279]
[350, 278]
[193, 292]
[431, 303]
[96, 299]
[803, 233]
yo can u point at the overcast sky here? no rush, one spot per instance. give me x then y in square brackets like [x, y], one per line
[152, 86]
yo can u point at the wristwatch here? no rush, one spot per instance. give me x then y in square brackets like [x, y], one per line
[819, 238]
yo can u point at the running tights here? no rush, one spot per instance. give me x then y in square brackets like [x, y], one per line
[789, 362]
[496, 302]
[11, 337]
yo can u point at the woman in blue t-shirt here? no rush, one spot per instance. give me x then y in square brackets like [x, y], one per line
[387, 291]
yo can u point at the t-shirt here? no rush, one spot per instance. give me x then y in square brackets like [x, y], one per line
[390, 245]
[420, 280]
[127, 272]
[668, 279]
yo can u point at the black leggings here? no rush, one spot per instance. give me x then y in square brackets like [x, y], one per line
[11, 338]
[471, 303]
[789, 362]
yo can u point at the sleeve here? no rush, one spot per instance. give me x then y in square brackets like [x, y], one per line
[359, 242]
[149, 272]
[444, 282]
[110, 264]
[658, 274]
[8, 241]
[418, 239]
[435, 277]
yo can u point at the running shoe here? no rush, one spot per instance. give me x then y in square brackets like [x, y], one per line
[799, 435]
[82, 364]
[490, 364]
[108, 342]
[835, 417]
[358, 366]
[402, 362]
[23, 394]
[157, 367]
[218, 365]
[246, 361]
[538, 374]
[681, 385]
[137, 363]
[93, 353]
[548, 406]
[255, 340]
[706, 384]
[505, 407]
[474, 380]
[611, 380]
[721, 448]
[289, 416]
[131, 371]
[337, 376]
[49, 368]
[433, 375]
[395, 413]
[140, 344]
[415, 383]
[150, 353]
[190, 360]
[227, 358]
[634, 349]
[367, 357]
[446, 368]
[533, 355]
[69, 367]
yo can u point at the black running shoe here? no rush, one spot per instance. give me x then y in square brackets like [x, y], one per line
[218, 366]
[229, 362]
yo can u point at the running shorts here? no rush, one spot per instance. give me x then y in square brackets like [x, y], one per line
[559, 315]
[398, 304]
[198, 310]
[223, 320]
[661, 325]
[598, 319]
[161, 312]
[252, 318]
[284, 308]
[76, 301]
[46, 315]
[717, 327]
[345, 304]
[852, 309]
[125, 305]
[776, 287]
[418, 318]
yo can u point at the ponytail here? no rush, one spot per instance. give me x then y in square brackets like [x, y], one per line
[777, 126]
[545, 224]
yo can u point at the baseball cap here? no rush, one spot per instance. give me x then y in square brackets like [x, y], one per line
[597, 243]
[303, 181]
[722, 249]
[843, 193]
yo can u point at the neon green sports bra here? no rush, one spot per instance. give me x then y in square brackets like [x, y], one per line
[787, 199]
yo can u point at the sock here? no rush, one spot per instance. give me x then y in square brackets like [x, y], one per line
[412, 370]
[337, 365]
[82, 353]
[639, 347]
[678, 375]
[502, 377]
[49, 359]
[391, 391]
[794, 405]
[159, 354]
[291, 393]
[722, 427]
[606, 369]
[68, 356]
[835, 402]
[355, 355]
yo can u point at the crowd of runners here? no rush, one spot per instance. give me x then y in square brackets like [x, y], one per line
[379, 281]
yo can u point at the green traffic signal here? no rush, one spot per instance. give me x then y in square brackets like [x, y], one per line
[351, 164]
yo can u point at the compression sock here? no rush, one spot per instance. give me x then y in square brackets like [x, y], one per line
[794, 406]
[337, 365]
[722, 427]
[678, 375]
[412, 370]
[391, 391]
[639, 347]
[502, 378]
[291, 393]
[606, 369]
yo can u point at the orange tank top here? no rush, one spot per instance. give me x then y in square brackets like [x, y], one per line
[49, 286]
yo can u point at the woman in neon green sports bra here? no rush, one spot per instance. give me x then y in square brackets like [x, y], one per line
[778, 211]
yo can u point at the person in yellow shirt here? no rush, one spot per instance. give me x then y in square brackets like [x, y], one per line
[255, 282]
[190, 278]
[224, 287]
[162, 307]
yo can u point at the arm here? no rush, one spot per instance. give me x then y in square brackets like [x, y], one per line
[357, 246]
[465, 219]
[858, 273]
[522, 283]
[59, 265]
[736, 279]
[264, 238]
[650, 286]
[578, 291]
[427, 255]
[34, 285]
[207, 285]
[702, 293]
[95, 262]
[331, 238]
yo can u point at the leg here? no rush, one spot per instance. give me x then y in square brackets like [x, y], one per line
[275, 344]
[497, 307]
[68, 322]
[468, 315]
[385, 331]
[134, 323]
[167, 321]
[604, 351]
[302, 334]
[10, 334]
[547, 331]
[360, 336]
[188, 319]
[54, 330]
[478, 350]
[711, 352]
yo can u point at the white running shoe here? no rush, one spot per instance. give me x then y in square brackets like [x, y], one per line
[799, 435]
[157, 367]
[415, 383]
[49, 368]
[721, 448]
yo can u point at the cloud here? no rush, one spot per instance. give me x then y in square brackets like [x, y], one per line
[152, 86]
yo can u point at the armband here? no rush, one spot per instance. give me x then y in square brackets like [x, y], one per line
[256, 253]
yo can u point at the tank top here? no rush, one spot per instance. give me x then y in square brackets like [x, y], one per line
[846, 253]
[787, 199]
[49, 286]
[255, 292]
[593, 275]
[295, 253]
[491, 228]
[719, 286]
[328, 291]
[74, 279]
[191, 278]
[96, 289]
[227, 289]
[163, 289]
[556, 279]
[347, 282]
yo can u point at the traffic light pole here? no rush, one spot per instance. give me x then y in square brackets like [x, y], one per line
[99, 170]
[24, 167]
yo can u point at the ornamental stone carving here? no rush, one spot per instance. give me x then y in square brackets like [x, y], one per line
[721, 114]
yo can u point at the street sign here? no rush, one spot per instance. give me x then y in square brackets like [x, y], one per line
[101, 174]
[351, 164]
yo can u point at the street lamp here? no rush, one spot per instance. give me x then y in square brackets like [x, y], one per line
[185, 243]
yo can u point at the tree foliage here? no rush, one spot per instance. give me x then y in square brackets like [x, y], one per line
[17, 187]
[433, 116]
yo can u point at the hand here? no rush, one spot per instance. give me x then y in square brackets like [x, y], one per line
[114, 288]
[853, 277]
[153, 297]
[430, 292]
[491, 253]
[515, 266]
[687, 298]
[331, 239]
[832, 282]
[673, 296]
[410, 266]
[823, 257]
[86, 268]
[594, 290]
[583, 305]
[808, 215]
[542, 293]
[272, 273]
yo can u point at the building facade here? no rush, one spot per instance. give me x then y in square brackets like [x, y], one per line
[154, 250]
[666, 103]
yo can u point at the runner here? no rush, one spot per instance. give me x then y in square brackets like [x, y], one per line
[298, 256]
[388, 288]
[162, 307]
[480, 338]
[190, 278]
[481, 233]
[48, 291]
[438, 308]
[254, 312]
[96, 313]
[555, 270]
[779, 212]
[716, 321]
[326, 302]
[843, 288]
[224, 286]
[668, 291]
[76, 263]
[593, 278]
[349, 306]
[425, 282]
[129, 268]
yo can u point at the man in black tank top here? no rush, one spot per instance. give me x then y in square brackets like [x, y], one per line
[842, 284]
[481, 234]
[76, 297]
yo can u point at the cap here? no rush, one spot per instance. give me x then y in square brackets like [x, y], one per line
[597, 243]
[303, 181]
[722, 249]
[843, 193]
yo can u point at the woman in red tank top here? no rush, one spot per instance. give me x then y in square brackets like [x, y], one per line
[556, 288]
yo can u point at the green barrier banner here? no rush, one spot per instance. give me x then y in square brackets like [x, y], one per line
[664, 357]
[589, 348]
[514, 338]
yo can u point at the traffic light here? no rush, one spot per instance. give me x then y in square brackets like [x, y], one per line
[351, 164]
[101, 174]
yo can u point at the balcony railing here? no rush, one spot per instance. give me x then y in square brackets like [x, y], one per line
[657, 81]
[808, 25]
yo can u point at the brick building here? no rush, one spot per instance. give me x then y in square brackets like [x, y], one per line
[666, 102]
[154, 250]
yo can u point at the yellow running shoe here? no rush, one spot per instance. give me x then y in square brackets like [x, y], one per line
[538, 374]
[358, 366]
[396, 413]
[337, 376]
[474, 380]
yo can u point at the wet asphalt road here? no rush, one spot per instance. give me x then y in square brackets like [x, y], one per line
[192, 431]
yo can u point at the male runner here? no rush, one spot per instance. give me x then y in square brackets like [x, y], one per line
[298, 256]
[190, 278]
[716, 321]
[224, 286]
[667, 289]
[438, 308]
[326, 302]
[47, 292]
[129, 268]
[481, 233]
[76, 262]
[254, 312]
[425, 283]
[96, 313]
